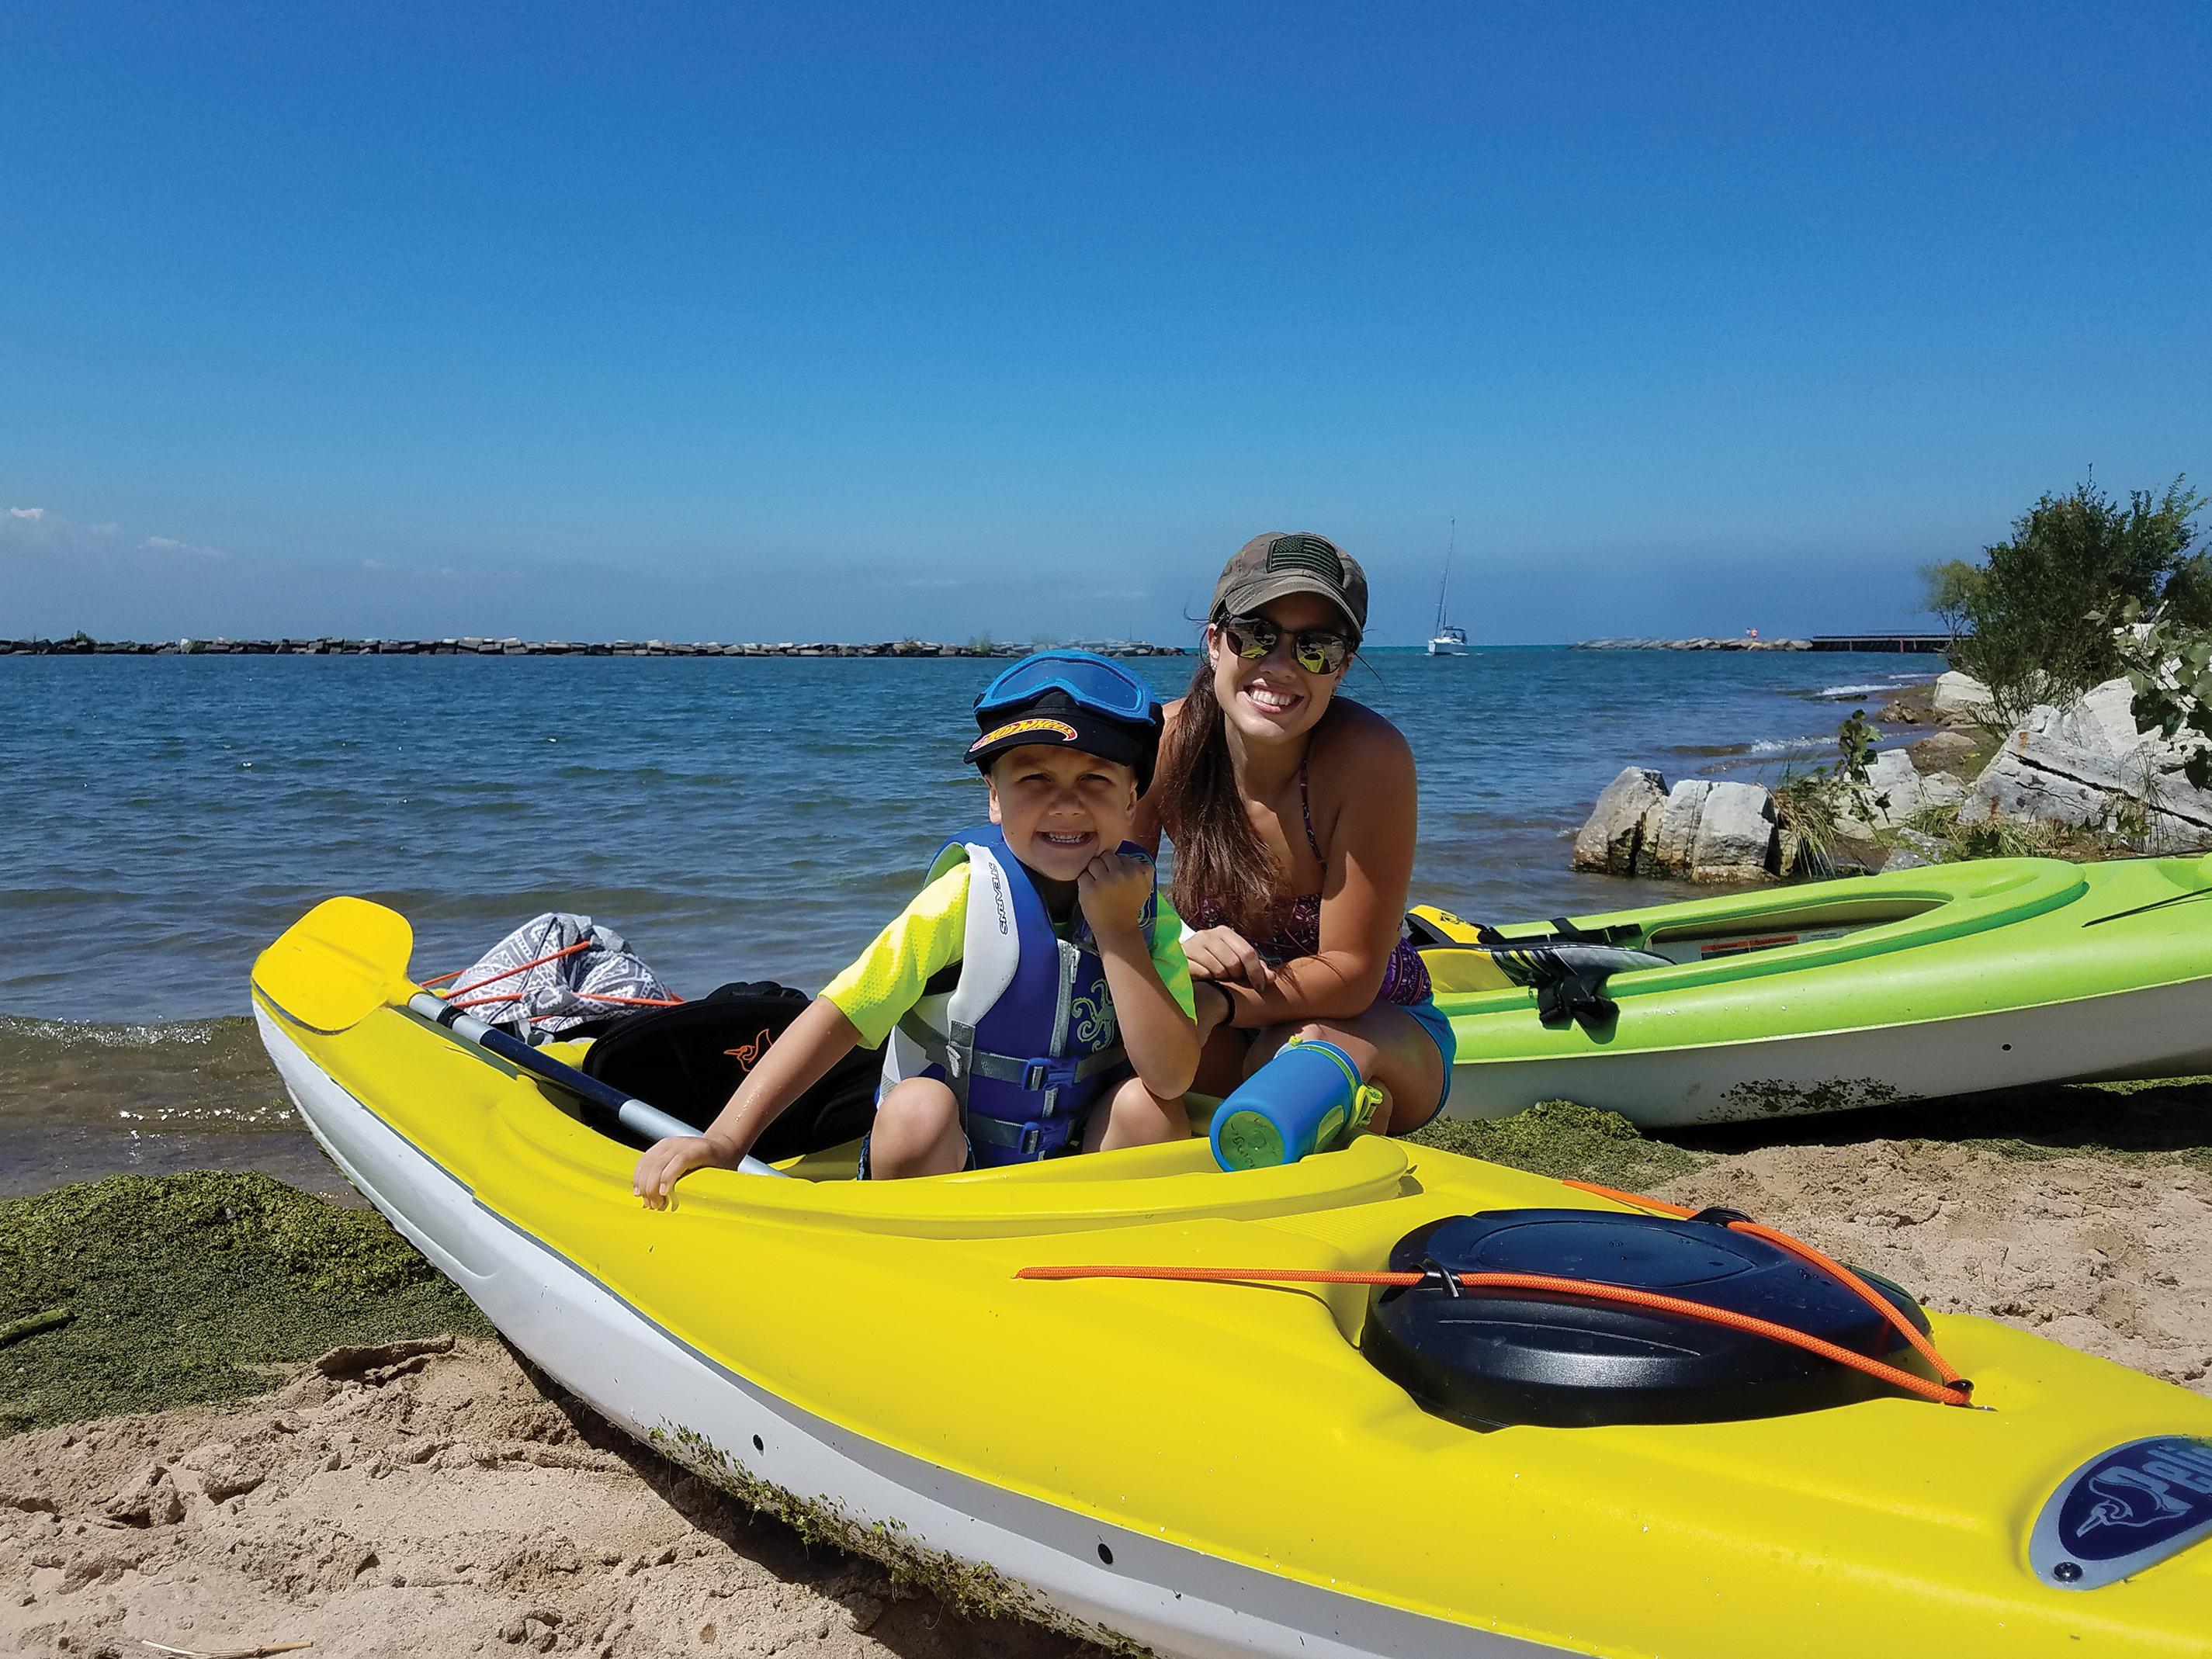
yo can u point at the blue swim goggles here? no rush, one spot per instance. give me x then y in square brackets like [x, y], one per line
[1090, 681]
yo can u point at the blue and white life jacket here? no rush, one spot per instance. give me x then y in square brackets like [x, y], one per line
[1027, 1035]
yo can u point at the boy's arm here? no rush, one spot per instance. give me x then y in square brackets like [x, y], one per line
[794, 1063]
[860, 1006]
[1157, 1027]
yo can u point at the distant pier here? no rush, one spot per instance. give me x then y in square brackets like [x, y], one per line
[1924, 644]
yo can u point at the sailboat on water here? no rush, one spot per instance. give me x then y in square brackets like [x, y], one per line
[1447, 640]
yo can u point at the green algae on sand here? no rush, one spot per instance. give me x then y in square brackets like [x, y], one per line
[1565, 1141]
[185, 1289]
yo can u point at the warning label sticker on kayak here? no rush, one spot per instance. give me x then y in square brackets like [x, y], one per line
[1736, 944]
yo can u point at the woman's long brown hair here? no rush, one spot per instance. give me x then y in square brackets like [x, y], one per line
[1223, 870]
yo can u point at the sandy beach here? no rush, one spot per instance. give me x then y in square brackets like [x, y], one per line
[420, 1499]
[433, 1497]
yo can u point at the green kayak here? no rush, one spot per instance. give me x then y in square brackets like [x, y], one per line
[1907, 986]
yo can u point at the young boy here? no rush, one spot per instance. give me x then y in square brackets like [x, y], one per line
[1033, 994]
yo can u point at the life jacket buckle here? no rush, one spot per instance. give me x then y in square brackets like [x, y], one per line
[1041, 1076]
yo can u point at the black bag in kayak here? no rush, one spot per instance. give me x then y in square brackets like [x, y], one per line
[689, 1059]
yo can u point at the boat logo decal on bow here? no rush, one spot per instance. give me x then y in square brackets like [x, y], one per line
[2123, 1510]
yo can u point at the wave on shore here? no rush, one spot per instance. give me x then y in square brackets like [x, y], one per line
[1874, 688]
[84, 1098]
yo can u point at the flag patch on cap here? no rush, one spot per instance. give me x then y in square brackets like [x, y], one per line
[1304, 553]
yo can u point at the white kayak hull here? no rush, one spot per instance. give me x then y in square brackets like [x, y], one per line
[2160, 1032]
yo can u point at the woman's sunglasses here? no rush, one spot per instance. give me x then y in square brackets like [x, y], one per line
[1316, 650]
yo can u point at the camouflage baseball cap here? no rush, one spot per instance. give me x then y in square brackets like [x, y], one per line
[1268, 566]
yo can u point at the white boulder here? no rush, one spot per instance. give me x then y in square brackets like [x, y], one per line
[1897, 791]
[2090, 766]
[1668, 853]
[2112, 708]
[1960, 699]
[1612, 838]
[1715, 832]
[1736, 834]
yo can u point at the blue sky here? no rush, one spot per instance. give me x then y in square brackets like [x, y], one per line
[850, 321]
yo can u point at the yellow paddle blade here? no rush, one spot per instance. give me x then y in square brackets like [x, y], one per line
[1452, 968]
[342, 959]
[1459, 932]
[1462, 965]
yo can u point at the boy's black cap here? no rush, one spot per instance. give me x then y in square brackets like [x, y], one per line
[1268, 566]
[1055, 717]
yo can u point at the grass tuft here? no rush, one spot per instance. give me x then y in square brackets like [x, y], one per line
[1562, 1139]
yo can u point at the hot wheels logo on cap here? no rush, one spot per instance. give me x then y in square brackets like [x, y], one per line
[2123, 1510]
[1035, 727]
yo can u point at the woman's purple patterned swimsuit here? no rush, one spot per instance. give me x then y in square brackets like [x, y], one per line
[1297, 930]
[1297, 934]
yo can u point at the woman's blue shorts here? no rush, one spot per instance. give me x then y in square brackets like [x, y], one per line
[1430, 1020]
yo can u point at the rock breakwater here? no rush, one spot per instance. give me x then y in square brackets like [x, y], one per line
[472, 645]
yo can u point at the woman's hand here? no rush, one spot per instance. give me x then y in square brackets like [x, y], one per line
[1225, 954]
[665, 1163]
[1112, 891]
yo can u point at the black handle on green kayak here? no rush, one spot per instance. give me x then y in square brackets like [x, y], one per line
[633, 1114]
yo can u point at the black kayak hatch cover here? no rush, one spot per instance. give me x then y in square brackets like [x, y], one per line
[1492, 1357]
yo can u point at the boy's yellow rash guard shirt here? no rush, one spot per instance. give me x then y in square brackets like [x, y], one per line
[886, 979]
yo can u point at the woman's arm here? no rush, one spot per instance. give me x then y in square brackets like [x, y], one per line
[1367, 770]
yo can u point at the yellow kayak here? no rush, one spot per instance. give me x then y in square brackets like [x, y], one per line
[1226, 1468]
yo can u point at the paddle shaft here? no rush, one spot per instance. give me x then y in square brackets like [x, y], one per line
[633, 1114]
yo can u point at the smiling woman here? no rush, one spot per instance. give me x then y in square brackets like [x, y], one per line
[1292, 812]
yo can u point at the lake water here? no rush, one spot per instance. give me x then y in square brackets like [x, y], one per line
[735, 818]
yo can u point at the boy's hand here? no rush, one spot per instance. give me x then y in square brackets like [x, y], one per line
[665, 1163]
[1112, 891]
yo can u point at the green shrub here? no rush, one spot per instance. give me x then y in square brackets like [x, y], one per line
[1813, 809]
[2030, 621]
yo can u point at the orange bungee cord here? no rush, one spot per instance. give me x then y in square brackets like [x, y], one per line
[459, 991]
[1952, 1390]
[505, 973]
[1804, 1252]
